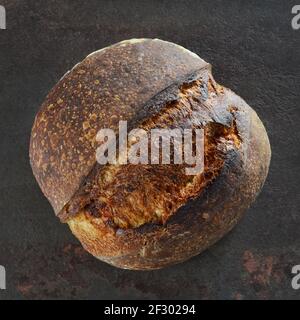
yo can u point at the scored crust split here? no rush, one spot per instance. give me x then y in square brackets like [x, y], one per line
[147, 216]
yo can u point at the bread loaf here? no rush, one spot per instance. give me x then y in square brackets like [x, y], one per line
[147, 216]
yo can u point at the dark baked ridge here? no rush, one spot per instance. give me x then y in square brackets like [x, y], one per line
[202, 220]
[111, 84]
[129, 196]
[92, 97]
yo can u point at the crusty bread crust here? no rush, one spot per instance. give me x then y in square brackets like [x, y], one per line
[107, 86]
[122, 221]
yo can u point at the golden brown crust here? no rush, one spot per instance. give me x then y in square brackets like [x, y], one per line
[201, 221]
[128, 196]
[108, 86]
[147, 216]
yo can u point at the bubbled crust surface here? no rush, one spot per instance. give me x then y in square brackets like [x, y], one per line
[203, 219]
[157, 77]
[109, 85]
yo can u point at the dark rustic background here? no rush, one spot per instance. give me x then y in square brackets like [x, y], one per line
[253, 50]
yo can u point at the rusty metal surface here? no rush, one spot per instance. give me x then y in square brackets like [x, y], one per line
[253, 50]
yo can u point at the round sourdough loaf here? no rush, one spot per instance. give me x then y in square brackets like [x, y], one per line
[143, 216]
